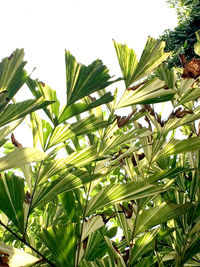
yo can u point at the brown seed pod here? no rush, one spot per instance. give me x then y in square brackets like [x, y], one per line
[121, 121]
[10, 57]
[136, 86]
[15, 142]
[191, 68]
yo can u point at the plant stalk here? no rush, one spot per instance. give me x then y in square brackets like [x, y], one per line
[27, 244]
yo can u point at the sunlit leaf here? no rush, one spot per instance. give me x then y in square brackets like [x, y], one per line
[153, 55]
[142, 245]
[83, 80]
[78, 108]
[178, 146]
[21, 156]
[197, 44]
[191, 94]
[40, 89]
[91, 225]
[116, 193]
[166, 75]
[61, 241]
[67, 182]
[67, 131]
[76, 159]
[127, 61]
[159, 214]
[151, 92]
[17, 257]
[113, 251]
[8, 129]
[19, 110]
[120, 139]
[174, 123]
[12, 76]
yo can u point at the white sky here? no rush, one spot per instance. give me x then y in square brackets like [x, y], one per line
[45, 28]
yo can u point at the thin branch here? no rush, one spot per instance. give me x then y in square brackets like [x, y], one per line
[84, 213]
[27, 244]
[31, 201]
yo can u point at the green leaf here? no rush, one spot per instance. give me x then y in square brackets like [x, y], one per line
[159, 214]
[120, 139]
[174, 123]
[8, 129]
[67, 182]
[78, 108]
[105, 262]
[40, 89]
[191, 94]
[83, 80]
[116, 254]
[76, 159]
[185, 86]
[151, 92]
[197, 44]
[153, 55]
[67, 131]
[20, 157]
[127, 61]
[12, 198]
[192, 248]
[174, 147]
[112, 194]
[12, 75]
[17, 256]
[68, 202]
[61, 241]
[166, 75]
[123, 222]
[142, 245]
[92, 224]
[19, 110]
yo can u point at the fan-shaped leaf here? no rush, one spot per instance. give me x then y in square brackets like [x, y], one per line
[67, 182]
[67, 131]
[12, 198]
[151, 92]
[142, 245]
[153, 55]
[78, 108]
[12, 76]
[122, 192]
[127, 61]
[76, 159]
[19, 110]
[159, 214]
[83, 80]
[21, 156]
[61, 241]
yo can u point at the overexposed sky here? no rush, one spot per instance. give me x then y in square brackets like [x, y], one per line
[45, 28]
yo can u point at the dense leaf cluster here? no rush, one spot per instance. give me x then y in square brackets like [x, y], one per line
[181, 40]
[92, 174]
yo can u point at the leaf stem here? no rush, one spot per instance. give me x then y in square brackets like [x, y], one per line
[133, 235]
[84, 213]
[31, 201]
